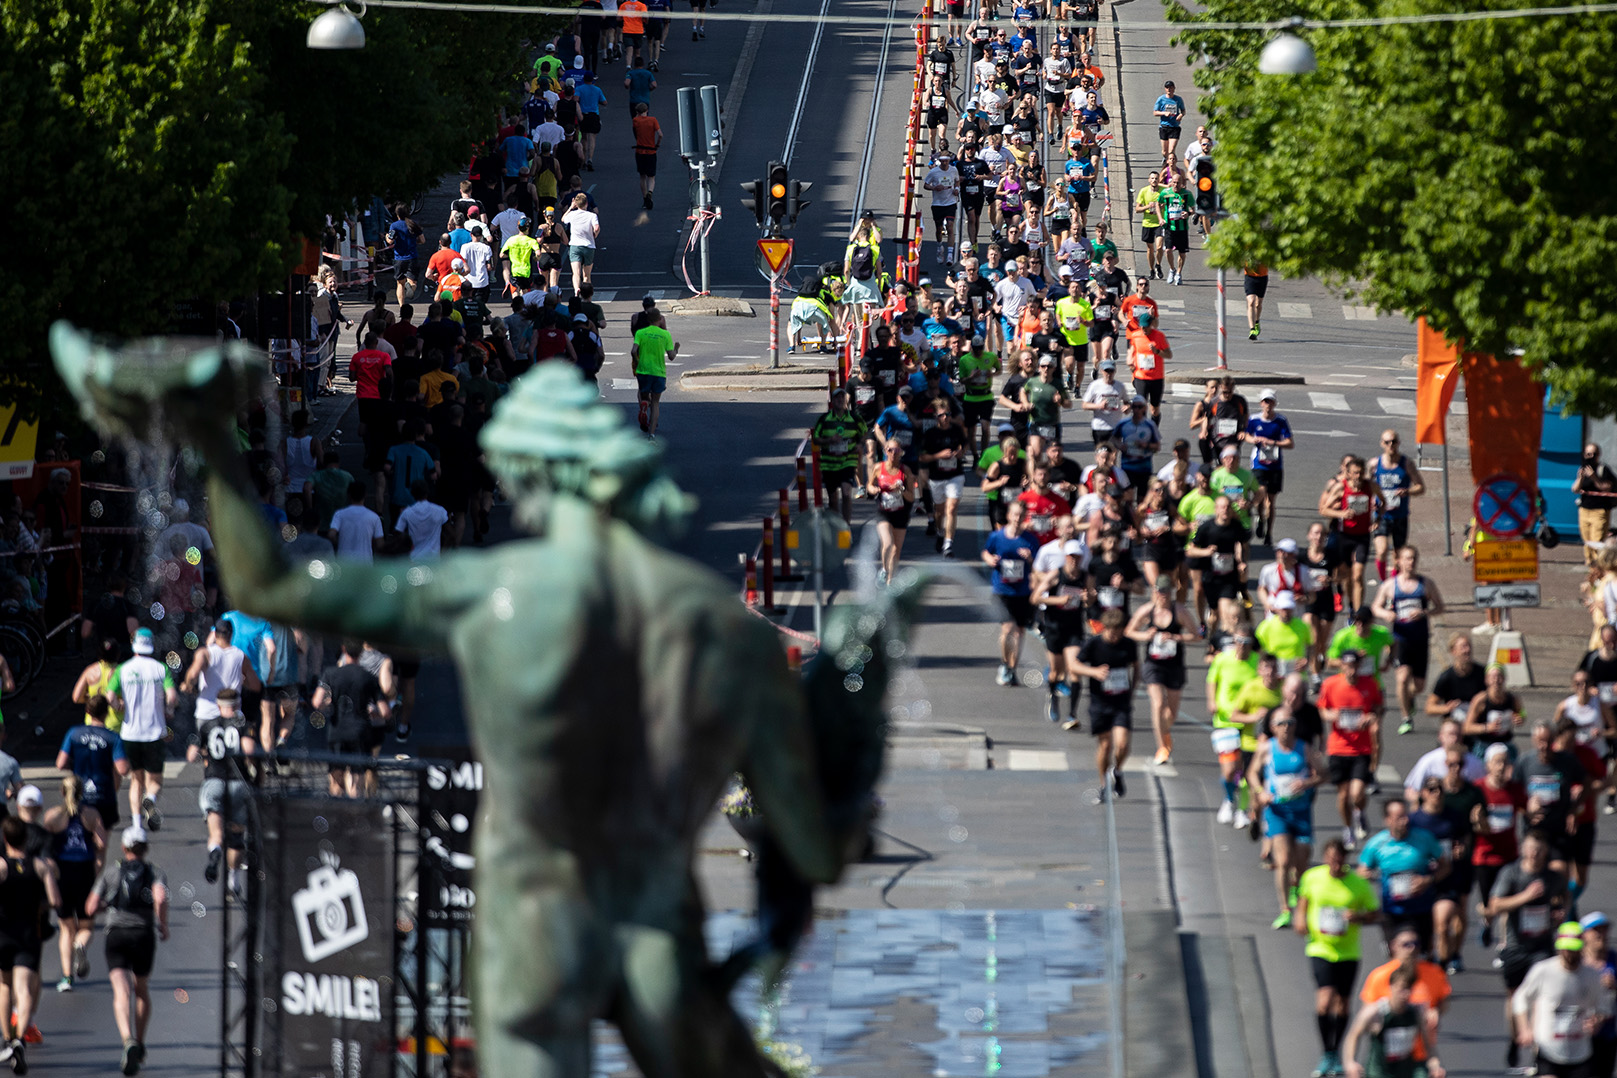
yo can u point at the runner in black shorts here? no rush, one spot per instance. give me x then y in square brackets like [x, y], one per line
[135, 892]
[28, 885]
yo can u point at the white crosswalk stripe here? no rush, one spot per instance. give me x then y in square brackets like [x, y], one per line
[1332, 402]
[1396, 405]
[1186, 389]
[606, 296]
[1358, 314]
[1296, 310]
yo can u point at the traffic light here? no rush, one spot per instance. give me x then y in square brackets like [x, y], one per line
[1206, 188]
[779, 192]
[754, 200]
[798, 202]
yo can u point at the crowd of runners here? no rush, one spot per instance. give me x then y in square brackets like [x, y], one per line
[1125, 548]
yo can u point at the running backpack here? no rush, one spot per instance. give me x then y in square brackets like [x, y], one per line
[134, 893]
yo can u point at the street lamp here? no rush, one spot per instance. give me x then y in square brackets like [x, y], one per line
[337, 28]
[1287, 54]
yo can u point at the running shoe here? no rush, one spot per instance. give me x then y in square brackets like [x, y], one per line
[19, 1057]
[1283, 921]
[1063, 688]
[1257, 328]
[1119, 787]
[1454, 966]
[1071, 723]
[152, 818]
[1162, 757]
[1611, 806]
[948, 548]
[1097, 797]
[1485, 936]
[1226, 812]
[1005, 677]
[1052, 709]
[1252, 334]
[130, 1062]
[65, 984]
[1242, 820]
[1407, 726]
[216, 857]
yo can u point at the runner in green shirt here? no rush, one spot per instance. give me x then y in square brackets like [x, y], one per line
[977, 369]
[1369, 638]
[838, 435]
[1151, 222]
[1332, 903]
[653, 344]
[1045, 398]
[1236, 483]
[1195, 509]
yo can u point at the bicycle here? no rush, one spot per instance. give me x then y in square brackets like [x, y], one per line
[23, 648]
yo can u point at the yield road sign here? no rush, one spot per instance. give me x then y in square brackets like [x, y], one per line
[1504, 506]
[775, 254]
[1504, 561]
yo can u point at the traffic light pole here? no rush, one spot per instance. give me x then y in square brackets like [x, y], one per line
[774, 309]
[1223, 331]
[704, 203]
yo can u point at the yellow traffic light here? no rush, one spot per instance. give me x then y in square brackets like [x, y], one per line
[777, 190]
[1205, 183]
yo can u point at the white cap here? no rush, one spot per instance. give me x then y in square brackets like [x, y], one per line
[134, 835]
[1065, 271]
[1498, 748]
[1283, 600]
[143, 643]
[1288, 545]
[30, 795]
[1227, 451]
[1072, 546]
[1267, 395]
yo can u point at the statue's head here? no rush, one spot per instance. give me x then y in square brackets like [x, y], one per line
[553, 436]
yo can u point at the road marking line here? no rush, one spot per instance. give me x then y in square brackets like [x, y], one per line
[1388, 775]
[606, 297]
[1396, 405]
[1171, 303]
[625, 383]
[767, 462]
[1358, 314]
[1334, 402]
[1296, 310]
[1139, 765]
[1036, 760]
[1183, 389]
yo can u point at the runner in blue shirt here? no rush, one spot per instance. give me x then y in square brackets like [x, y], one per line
[1399, 481]
[1170, 113]
[897, 424]
[1409, 862]
[96, 755]
[590, 99]
[1269, 434]
[1009, 552]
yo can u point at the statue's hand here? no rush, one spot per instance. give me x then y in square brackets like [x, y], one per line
[191, 393]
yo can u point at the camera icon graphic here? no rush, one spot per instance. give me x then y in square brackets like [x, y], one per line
[330, 912]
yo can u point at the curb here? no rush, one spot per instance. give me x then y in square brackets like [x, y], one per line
[715, 306]
[753, 377]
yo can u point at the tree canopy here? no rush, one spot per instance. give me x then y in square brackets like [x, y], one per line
[1459, 171]
[174, 149]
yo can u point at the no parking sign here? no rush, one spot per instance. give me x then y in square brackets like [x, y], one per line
[1504, 506]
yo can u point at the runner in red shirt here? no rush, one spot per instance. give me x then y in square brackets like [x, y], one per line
[1580, 846]
[1495, 823]
[1149, 352]
[1352, 705]
[372, 372]
[1043, 505]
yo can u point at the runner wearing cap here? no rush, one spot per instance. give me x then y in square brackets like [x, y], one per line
[1074, 315]
[1196, 508]
[1559, 1006]
[1149, 351]
[1351, 703]
[1398, 480]
[1598, 956]
[1284, 574]
[519, 256]
[943, 455]
[943, 180]
[1044, 399]
[144, 689]
[28, 887]
[1401, 1035]
[1164, 627]
[1269, 434]
[135, 891]
[1236, 483]
[1008, 552]
[1285, 635]
[839, 435]
[1104, 398]
[1223, 542]
[1059, 594]
[892, 484]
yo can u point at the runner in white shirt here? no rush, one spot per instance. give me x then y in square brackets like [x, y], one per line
[219, 665]
[1105, 399]
[355, 530]
[506, 224]
[944, 183]
[1284, 574]
[478, 256]
[423, 521]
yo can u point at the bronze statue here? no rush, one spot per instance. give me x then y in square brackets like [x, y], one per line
[612, 688]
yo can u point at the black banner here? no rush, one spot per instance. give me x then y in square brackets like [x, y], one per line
[448, 804]
[329, 927]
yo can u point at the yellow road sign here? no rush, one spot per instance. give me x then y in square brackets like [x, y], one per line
[17, 443]
[1505, 561]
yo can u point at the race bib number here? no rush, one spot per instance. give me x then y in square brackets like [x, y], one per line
[1226, 740]
[1569, 1023]
[1162, 647]
[1545, 787]
[1398, 1042]
[864, 394]
[1332, 921]
[1117, 681]
[1268, 454]
[1072, 321]
[1042, 523]
[1408, 609]
[1012, 570]
[1104, 313]
[1501, 818]
[892, 499]
[1401, 886]
[1349, 719]
[1224, 428]
[1223, 563]
[886, 377]
[1156, 522]
[1318, 577]
[837, 447]
[1146, 360]
[905, 437]
[1234, 492]
[977, 378]
[1392, 500]
[1499, 721]
[1533, 921]
[1608, 692]
[1358, 504]
[1175, 212]
[1286, 787]
[1367, 666]
[1110, 598]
